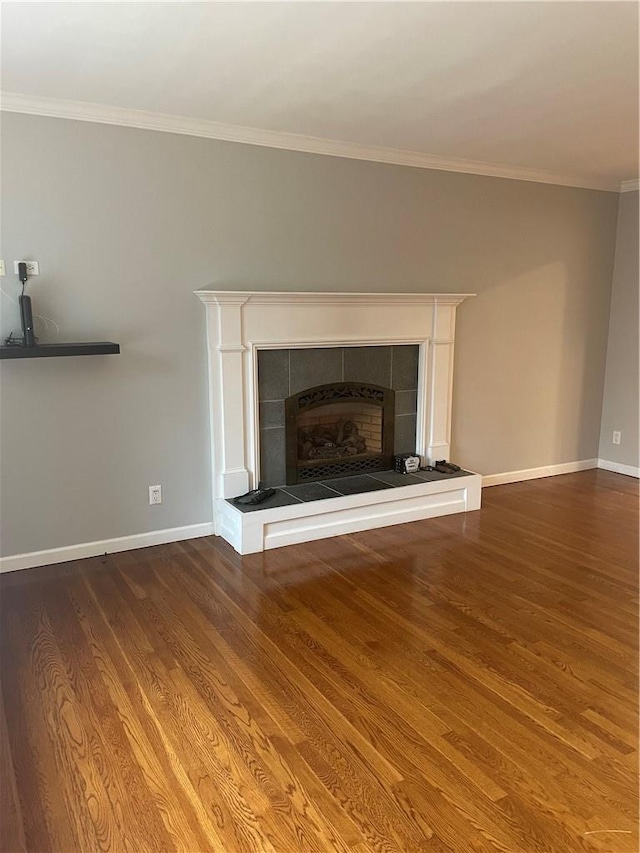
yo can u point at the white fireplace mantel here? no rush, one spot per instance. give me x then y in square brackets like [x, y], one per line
[240, 323]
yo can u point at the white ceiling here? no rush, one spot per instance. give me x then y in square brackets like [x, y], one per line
[518, 88]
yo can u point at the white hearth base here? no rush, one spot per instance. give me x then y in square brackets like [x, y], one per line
[261, 530]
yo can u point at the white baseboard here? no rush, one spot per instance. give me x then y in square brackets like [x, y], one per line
[619, 468]
[535, 473]
[104, 546]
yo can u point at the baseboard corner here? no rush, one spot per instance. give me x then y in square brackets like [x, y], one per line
[619, 468]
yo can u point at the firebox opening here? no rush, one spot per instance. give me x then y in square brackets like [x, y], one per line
[338, 430]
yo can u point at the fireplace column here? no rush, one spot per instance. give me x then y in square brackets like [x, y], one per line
[440, 382]
[227, 393]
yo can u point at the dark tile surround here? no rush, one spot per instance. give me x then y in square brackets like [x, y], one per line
[288, 371]
[326, 489]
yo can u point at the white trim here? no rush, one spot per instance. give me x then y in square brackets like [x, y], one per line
[619, 468]
[535, 473]
[323, 343]
[142, 119]
[630, 186]
[319, 297]
[104, 546]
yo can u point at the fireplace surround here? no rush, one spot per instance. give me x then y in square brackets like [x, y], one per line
[240, 325]
[285, 373]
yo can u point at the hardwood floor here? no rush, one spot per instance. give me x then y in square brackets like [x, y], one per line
[463, 684]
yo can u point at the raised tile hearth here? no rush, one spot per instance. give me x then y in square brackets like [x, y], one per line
[328, 489]
[352, 328]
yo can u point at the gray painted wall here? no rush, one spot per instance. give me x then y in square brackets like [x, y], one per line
[620, 404]
[127, 223]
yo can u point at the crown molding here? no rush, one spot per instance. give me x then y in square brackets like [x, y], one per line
[630, 186]
[103, 114]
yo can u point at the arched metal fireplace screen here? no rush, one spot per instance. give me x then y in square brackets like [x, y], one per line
[338, 430]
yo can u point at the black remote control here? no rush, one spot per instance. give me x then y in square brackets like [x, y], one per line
[255, 496]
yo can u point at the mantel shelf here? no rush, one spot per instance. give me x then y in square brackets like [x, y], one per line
[57, 350]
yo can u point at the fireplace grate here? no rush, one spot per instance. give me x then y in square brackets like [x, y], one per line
[340, 469]
[368, 409]
[341, 391]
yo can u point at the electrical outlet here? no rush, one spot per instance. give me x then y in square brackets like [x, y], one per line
[33, 268]
[155, 495]
[617, 436]
[2, 272]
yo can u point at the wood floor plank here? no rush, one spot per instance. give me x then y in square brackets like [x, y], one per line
[12, 825]
[45, 766]
[123, 782]
[184, 818]
[467, 684]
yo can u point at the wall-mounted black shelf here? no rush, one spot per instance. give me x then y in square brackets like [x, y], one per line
[57, 350]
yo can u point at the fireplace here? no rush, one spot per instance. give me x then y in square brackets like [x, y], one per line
[337, 430]
[296, 384]
[313, 340]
